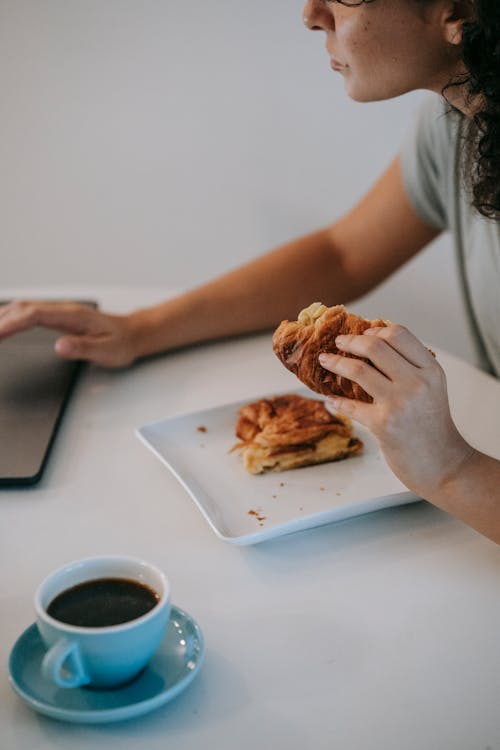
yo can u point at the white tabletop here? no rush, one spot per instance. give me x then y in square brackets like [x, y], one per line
[378, 632]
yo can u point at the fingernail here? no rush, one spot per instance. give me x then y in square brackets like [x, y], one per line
[323, 359]
[65, 348]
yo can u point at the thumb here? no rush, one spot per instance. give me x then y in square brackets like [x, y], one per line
[79, 347]
[360, 411]
[96, 349]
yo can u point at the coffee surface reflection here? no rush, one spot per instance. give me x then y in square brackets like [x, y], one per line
[103, 602]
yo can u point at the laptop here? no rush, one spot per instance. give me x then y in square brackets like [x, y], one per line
[35, 387]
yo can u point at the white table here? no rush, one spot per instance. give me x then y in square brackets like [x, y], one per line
[379, 632]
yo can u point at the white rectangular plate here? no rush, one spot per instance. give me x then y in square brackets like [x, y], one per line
[244, 509]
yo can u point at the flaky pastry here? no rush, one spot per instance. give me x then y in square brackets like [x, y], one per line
[289, 431]
[299, 343]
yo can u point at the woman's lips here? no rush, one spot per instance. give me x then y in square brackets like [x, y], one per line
[336, 65]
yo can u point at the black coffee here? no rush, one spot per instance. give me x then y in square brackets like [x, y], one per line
[102, 602]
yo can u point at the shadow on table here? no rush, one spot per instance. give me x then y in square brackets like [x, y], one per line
[402, 531]
[198, 705]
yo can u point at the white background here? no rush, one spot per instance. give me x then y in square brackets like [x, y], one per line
[159, 142]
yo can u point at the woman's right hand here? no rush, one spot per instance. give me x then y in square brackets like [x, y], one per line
[88, 334]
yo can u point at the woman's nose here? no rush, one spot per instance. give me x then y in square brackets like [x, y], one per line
[317, 15]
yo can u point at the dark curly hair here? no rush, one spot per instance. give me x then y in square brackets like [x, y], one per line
[481, 56]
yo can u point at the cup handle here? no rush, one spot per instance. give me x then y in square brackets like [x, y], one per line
[63, 665]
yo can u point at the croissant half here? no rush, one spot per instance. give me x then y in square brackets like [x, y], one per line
[299, 343]
[290, 431]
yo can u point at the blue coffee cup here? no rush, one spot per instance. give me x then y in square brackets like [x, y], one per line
[100, 656]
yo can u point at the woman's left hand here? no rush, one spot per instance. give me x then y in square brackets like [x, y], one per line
[410, 414]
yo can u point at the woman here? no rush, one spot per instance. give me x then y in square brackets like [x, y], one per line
[447, 176]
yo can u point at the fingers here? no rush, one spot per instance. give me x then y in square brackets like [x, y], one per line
[402, 341]
[100, 350]
[85, 348]
[369, 378]
[93, 335]
[382, 358]
[76, 347]
[360, 411]
[69, 317]
[394, 351]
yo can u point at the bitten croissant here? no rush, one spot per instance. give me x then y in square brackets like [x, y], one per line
[298, 343]
[289, 431]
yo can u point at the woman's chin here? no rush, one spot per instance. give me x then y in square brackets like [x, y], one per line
[361, 91]
[363, 94]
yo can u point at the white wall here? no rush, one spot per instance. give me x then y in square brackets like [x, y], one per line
[149, 141]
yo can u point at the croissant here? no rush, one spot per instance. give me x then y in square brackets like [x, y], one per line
[289, 431]
[298, 343]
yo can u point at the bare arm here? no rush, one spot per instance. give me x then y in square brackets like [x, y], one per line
[335, 264]
[472, 493]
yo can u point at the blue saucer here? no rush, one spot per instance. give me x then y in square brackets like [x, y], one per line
[172, 668]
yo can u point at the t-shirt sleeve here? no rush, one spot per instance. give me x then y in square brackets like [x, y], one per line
[422, 156]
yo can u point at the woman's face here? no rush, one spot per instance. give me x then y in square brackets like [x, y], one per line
[386, 48]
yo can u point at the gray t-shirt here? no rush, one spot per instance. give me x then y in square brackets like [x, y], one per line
[432, 172]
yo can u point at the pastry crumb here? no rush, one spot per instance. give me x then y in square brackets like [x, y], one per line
[258, 515]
